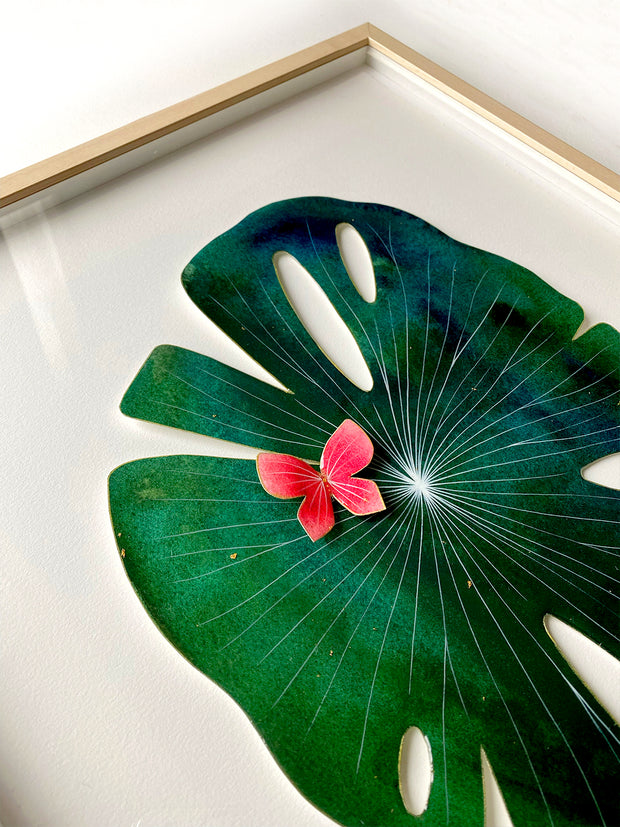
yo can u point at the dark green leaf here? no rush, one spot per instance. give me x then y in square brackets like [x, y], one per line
[483, 412]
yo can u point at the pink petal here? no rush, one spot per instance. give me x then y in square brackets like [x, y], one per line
[347, 451]
[286, 476]
[358, 495]
[316, 513]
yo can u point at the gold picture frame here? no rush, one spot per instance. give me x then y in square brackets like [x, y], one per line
[65, 165]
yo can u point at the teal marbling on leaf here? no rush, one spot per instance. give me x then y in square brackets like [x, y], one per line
[482, 414]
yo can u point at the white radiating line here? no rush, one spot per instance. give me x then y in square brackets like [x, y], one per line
[391, 529]
[237, 562]
[480, 359]
[289, 358]
[359, 623]
[260, 591]
[455, 358]
[535, 401]
[503, 531]
[417, 593]
[286, 594]
[532, 422]
[319, 602]
[384, 374]
[525, 672]
[446, 455]
[416, 441]
[238, 410]
[222, 528]
[407, 425]
[234, 427]
[443, 698]
[385, 634]
[484, 660]
[464, 518]
[318, 362]
[426, 423]
[264, 401]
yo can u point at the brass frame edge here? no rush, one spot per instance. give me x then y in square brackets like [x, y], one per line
[571, 159]
[71, 162]
[65, 165]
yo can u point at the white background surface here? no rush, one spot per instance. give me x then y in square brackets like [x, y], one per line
[101, 722]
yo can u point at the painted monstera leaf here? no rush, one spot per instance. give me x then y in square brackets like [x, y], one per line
[482, 410]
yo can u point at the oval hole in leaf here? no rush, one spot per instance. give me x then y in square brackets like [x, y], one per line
[415, 776]
[495, 811]
[321, 319]
[604, 471]
[594, 666]
[357, 261]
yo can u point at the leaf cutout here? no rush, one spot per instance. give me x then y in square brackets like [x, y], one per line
[599, 671]
[604, 471]
[415, 770]
[495, 812]
[321, 320]
[429, 614]
[356, 259]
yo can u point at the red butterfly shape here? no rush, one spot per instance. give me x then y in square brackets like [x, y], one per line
[346, 452]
